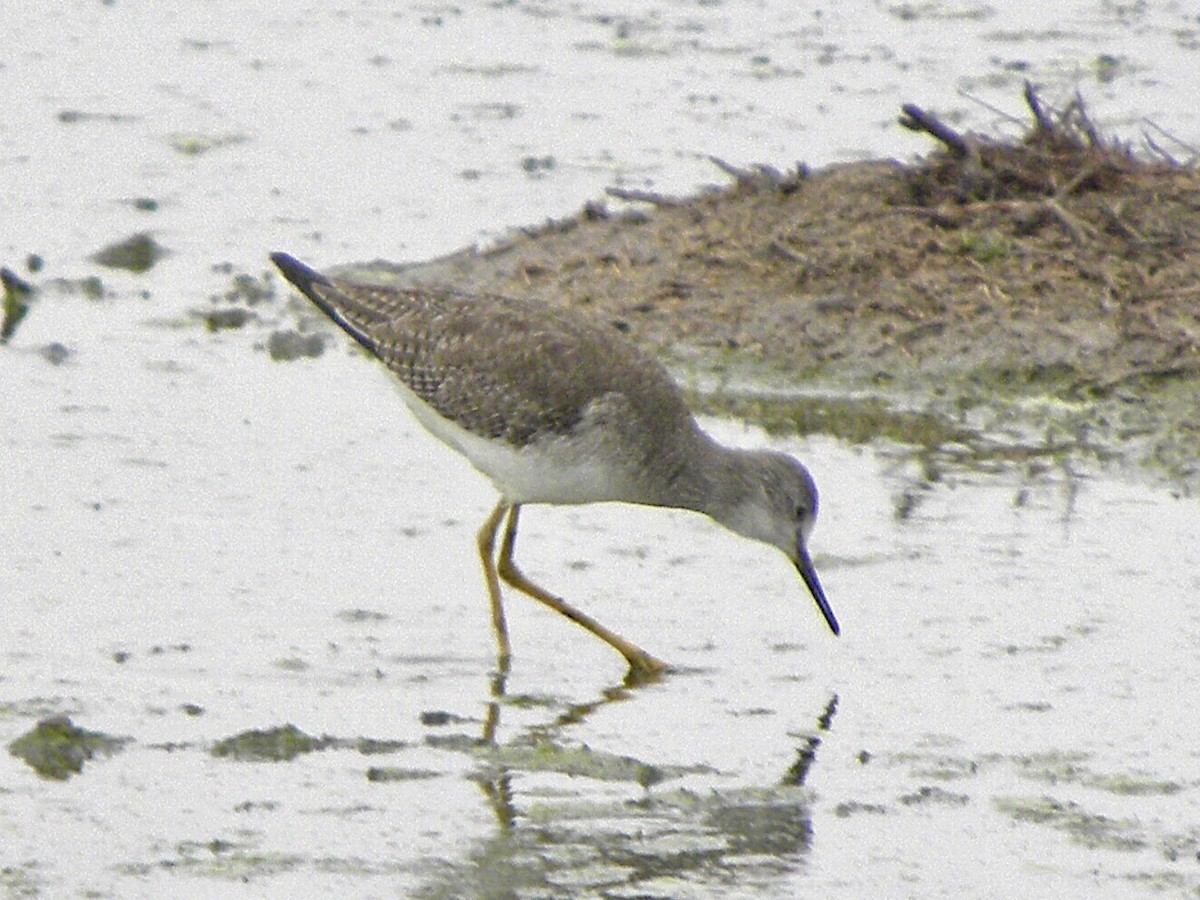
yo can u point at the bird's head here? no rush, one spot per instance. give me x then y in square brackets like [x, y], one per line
[777, 504]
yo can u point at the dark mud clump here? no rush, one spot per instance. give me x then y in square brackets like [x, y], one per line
[288, 344]
[136, 253]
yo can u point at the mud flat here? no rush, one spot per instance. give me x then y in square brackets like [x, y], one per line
[1031, 296]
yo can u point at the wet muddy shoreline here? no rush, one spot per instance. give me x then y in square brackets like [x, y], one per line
[248, 649]
[1031, 296]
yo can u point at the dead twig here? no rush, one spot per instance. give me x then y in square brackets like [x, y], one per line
[938, 216]
[916, 119]
[990, 107]
[782, 250]
[756, 176]
[1080, 232]
[1115, 221]
[1044, 122]
[634, 195]
[1156, 149]
[1077, 110]
[1079, 178]
[1175, 139]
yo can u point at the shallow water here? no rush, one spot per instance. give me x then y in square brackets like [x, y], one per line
[199, 541]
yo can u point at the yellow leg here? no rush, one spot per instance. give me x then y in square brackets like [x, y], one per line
[641, 663]
[486, 538]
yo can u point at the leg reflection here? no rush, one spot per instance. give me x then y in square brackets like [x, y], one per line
[806, 753]
[498, 788]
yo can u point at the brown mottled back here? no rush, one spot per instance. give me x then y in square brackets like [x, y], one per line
[494, 365]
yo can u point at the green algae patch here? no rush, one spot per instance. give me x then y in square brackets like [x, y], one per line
[17, 295]
[1134, 784]
[579, 761]
[280, 744]
[1089, 829]
[244, 863]
[669, 844]
[400, 773]
[548, 756]
[856, 419]
[531, 701]
[228, 318]
[374, 746]
[937, 766]
[136, 253]
[930, 795]
[199, 144]
[221, 860]
[37, 708]
[249, 290]
[1068, 768]
[57, 749]
[575, 762]
[850, 808]
[286, 742]
[89, 288]
[22, 881]
[287, 344]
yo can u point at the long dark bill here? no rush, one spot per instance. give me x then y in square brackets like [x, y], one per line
[804, 566]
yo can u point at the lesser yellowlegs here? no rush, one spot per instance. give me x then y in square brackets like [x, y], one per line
[555, 409]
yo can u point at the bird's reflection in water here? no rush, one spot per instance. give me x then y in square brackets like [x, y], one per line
[589, 832]
[497, 780]
[498, 790]
[806, 753]
[497, 784]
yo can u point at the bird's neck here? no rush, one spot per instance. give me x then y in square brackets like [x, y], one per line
[704, 476]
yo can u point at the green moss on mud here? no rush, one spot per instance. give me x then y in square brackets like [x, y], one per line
[57, 749]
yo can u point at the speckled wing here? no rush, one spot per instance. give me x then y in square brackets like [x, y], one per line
[516, 370]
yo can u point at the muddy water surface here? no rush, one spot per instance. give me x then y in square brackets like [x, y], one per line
[201, 543]
[227, 558]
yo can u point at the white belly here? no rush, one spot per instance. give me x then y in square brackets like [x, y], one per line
[555, 471]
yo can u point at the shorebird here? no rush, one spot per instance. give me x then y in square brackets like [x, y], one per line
[555, 409]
